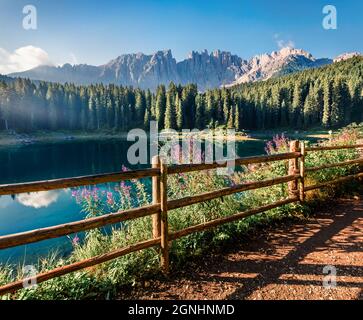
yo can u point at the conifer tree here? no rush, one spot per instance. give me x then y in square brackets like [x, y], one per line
[337, 112]
[330, 96]
[326, 121]
[170, 115]
[200, 112]
[179, 113]
[237, 119]
[147, 119]
[160, 106]
[230, 122]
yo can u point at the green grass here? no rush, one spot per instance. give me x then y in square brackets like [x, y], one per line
[102, 281]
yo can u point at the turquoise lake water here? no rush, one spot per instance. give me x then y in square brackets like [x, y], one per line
[58, 160]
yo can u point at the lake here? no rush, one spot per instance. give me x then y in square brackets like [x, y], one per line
[41, 161]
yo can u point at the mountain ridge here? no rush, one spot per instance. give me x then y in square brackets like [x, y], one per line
[208, 70]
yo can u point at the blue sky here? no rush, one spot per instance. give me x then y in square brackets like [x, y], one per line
[96, 31]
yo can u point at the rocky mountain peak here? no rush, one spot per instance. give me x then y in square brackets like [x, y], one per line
[266, 66]
[289, 51]
[207, 70]
[346, 56]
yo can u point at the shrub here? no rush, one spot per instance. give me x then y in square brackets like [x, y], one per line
[102, 281]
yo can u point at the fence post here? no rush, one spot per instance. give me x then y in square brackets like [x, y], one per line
[164, 217]
[156, 198]
[302, 172]
[293, 169]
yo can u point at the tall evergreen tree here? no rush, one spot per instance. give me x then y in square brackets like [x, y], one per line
[326, 121]
[330, 96]
[179, 113]
[200, 112]
[160, 106]
[237, 119]
[170, 114]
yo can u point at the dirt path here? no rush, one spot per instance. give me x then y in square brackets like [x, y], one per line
[283, 263]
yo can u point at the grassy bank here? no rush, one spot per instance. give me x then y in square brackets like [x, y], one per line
[21, 138]
[103, 281]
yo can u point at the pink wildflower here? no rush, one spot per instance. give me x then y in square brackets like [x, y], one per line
[278, 144]
[75, 240]
[94, 194]
[110, 199]
[125, 189]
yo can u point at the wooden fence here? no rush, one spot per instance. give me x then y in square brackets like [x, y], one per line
[160, 206]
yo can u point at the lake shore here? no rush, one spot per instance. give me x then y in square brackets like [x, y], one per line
[13, 138]
[8, 139]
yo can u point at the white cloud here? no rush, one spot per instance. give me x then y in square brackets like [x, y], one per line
[22, 59]
[38, 200]
[285, 44]
[281, 43]
[74, 59]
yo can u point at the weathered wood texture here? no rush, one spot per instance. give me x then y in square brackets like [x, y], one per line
[335, 181]
[164, 243]
[294, 169]
[217, 222]
[156, 198]
[184, 168]
[11, 287]
[335, 165]
[74, 227]
[302, 172]
[187, 201]
[76, 182]
[159, 209]
[357, 146]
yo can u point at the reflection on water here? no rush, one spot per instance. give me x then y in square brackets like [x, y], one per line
[5, 201]
[60, 160]
[25, 212]
[32, 211]
[38, 200]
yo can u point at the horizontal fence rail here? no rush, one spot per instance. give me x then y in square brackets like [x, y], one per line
[335, 165]
[330, 148]
[335, 181]
[187, 201]
[61, 271]
[76, 182]
[217, 222]
[74, 227]
[158, 210]
[185, 168]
